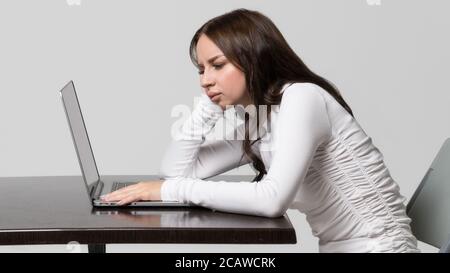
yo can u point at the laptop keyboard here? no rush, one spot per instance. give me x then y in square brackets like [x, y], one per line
[118, 185]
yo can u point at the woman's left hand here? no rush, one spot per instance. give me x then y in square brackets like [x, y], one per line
[145, 191]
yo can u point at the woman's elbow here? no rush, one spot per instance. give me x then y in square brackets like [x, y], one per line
[276, 214]
[273, 211]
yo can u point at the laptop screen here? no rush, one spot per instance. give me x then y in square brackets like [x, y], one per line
[79, 134]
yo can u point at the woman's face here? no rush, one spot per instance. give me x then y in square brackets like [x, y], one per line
[223, 82]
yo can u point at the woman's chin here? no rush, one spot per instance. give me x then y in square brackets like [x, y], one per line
[225, 105]
[221, 104]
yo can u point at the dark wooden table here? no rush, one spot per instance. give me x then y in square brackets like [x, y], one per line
[57, 210]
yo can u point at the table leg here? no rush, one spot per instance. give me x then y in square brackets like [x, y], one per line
[96, 248]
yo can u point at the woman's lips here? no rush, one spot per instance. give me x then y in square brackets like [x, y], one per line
[213, 95]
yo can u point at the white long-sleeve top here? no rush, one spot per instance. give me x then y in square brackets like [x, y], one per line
[318, 160]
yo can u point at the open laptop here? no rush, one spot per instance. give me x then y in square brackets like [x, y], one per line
[429, 207]
[95, 187]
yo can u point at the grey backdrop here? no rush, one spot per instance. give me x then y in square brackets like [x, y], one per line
[129, 61]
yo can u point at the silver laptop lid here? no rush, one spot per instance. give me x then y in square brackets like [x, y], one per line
[430, 205]
[80, 136]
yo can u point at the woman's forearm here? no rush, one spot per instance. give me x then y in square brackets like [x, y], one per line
[183, 149]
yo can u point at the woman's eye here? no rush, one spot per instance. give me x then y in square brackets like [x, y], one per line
[216, 66]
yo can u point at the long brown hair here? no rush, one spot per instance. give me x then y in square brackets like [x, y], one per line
[253, 43]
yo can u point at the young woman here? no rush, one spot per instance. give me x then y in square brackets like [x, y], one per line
[314, 156]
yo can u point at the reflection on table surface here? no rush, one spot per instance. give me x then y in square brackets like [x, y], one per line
[190, 217]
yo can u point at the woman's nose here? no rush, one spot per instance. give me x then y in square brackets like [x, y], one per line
[206, 80]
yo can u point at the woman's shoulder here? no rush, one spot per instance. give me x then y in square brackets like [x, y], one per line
[302, 92]
[307, 86]
[303, 104]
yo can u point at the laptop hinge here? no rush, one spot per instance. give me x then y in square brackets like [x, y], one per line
[95, 189]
